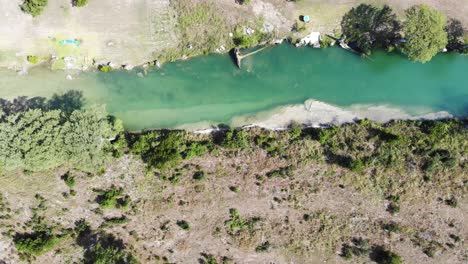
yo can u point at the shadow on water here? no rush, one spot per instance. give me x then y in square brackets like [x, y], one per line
[67, 102]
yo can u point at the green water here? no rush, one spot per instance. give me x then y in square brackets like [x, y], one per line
[210, 89]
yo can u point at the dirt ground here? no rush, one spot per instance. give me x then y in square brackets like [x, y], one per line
[133, 32]
[305, 218]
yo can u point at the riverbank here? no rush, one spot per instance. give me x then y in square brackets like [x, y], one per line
[358, 192]
[125, 34]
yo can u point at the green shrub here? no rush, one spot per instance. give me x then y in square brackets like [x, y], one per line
[105, 68]
[199, 175]
[183, 224]
[383, 256]
[32, 59]
[69, 180]
[34, 7]
[244, 40]
[235, 139]
[37, 243]
[115, 221]
[79, 3]
[347, 252]
[281, 173]
[263, 247]
[195, 149]
[108, 250]
[112, 198]
[237, 223]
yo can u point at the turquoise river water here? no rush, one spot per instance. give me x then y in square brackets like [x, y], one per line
[210, 89]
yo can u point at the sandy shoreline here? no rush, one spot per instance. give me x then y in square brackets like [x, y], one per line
[313, 113]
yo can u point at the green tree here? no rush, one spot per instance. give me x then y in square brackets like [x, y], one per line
[455, 32]
[38, 139]
[34, 7]
[424, 30]
[370, 27]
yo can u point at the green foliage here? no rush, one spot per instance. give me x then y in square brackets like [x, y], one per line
[69, 180]
[108, 250]
[359, 247]
[235, 139]
[237, 223]
[32, 59]
[243, 2]
[382, 256]
[370, 27]
[37, 243]
[245, 40]
[79, 3]
[183, 224]
[195, 149]
[284, 172]
[115, 221]
[166, 149]
[455, 32]
[424, 30]
[105, 68]
[263, 247]
[34, 7]
[40, 135]
[199, 175]
[270, 143]
[112, 198]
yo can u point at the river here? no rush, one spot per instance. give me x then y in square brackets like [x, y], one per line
[271, 87]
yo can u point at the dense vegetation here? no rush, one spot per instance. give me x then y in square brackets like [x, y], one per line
[423, 33]
[38, 134]
[34, 7]
[370, 27]
[424, 29]
[79, 3]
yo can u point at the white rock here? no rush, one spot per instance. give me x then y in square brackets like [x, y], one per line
[69, 77]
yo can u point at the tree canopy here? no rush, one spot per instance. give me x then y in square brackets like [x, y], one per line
[370, 27]
[35, 138]
[424, 30]
[34, 7]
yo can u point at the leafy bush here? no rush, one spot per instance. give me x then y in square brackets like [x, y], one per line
[34, 7]
[235, 139]
[199, 175]
[281, 173]
[382, 256]
[112, 198]
[69, 180]
[246, 40]
[108, 250]
[79, 3]
[166, 149]
[32, 59]
[237, 223]
[263, 247]
[36, 243]
[105, 68]
[183, 224]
